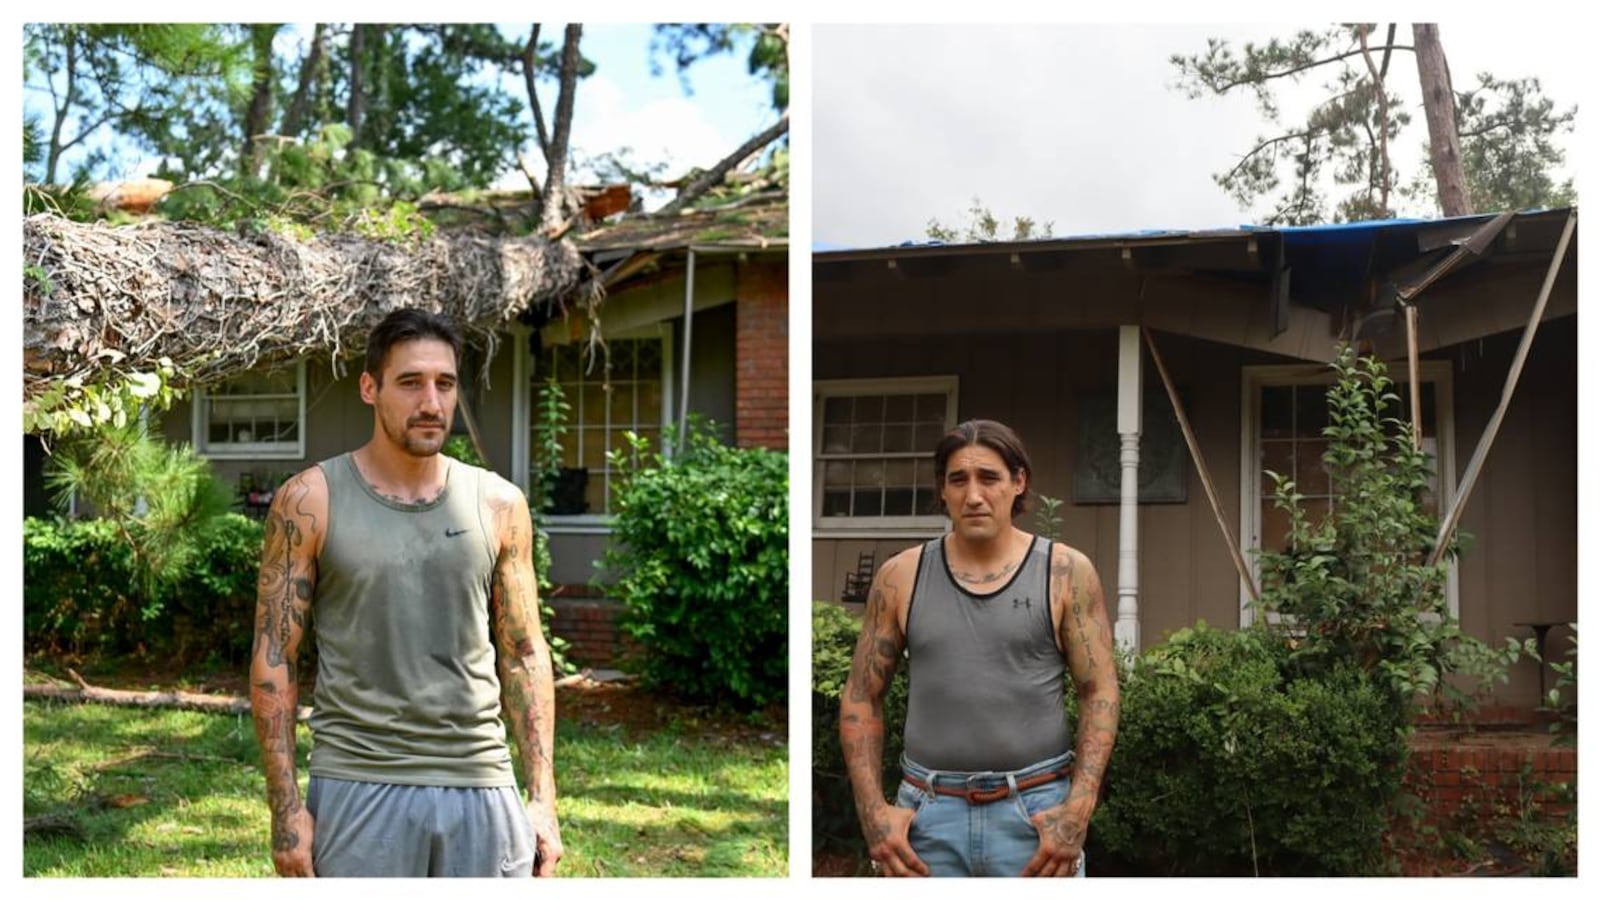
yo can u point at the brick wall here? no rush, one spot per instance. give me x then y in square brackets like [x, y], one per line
[588, 623]
[1475, 778]
[761, 381]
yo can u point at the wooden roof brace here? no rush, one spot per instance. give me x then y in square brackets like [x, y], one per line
[1205, 474]
[1470, 477]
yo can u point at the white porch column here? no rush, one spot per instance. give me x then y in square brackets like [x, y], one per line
[1130, 392]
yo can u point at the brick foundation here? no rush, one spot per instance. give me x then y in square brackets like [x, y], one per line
[589, 626]
[1473, 775]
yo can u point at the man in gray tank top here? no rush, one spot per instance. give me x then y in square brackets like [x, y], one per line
[419, 571]
[992, 620]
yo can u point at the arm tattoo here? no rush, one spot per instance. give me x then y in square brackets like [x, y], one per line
[284, 590]
[872, 669]
[1086, 638]
[527, 680]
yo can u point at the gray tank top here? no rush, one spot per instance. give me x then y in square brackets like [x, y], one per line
[987, 679]
[407, 691]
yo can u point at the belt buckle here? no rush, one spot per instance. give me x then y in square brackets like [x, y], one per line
[980, 796]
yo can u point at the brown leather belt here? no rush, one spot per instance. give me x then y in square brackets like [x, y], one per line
[980, 796]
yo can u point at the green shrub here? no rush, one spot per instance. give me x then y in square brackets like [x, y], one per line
[81, 594]
[1223, 766]
[701, 561]
[1356, 586]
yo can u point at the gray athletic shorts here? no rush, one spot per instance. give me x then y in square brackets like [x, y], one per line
[365, 829]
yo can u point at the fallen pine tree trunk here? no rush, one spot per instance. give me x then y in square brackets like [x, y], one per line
[98, 297]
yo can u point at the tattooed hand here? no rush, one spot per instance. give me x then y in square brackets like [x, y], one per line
[291, 844]
[888, 833]
[1061, 833]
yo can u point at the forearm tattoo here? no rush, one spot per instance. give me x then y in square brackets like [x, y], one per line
[1087, 640]
[526, 675]
[877, 657]
[283, 602]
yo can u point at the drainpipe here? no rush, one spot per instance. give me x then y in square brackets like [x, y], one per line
[1129, 396]
[688, 346]
[522, 398]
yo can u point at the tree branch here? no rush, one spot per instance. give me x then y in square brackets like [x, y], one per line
[530, 63]
[713, 177]
[1383, 123]
[1258, 77]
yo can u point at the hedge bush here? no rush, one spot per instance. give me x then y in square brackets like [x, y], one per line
[700, 558]
[1223, 765]
[81, 594]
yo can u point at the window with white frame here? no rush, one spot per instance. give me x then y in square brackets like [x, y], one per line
[256, 415]
[874, 451]
[633, 396]
[1286, 409]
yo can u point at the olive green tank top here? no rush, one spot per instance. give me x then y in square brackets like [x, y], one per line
[406, 691]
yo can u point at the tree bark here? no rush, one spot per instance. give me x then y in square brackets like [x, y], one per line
[294, 119]
[530, 70]
[1439, 106]
[257, 118]
[356, 107]
[713, 177]
[555, 181]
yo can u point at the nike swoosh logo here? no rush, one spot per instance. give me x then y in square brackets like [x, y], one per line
[449, 533]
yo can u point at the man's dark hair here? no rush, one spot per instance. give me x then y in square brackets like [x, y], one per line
[408, 325]
[997, 437]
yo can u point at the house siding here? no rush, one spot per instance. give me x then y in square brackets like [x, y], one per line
[1029, 353]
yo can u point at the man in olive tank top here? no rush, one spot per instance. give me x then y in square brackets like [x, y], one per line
[992, 620]
[419, 571]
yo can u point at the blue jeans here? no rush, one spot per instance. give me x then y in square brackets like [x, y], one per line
[957, 839]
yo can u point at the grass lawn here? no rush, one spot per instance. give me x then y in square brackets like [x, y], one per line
[646, 790]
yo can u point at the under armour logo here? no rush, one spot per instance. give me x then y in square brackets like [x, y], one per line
[1020, 602]
[449, 533]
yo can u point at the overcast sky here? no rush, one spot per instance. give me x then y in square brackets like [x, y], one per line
[1078, 124]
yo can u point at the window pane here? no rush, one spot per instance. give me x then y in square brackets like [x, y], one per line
[900, 472]
[836, 474]
[869, 473]
[836, 439]
[592, 405]
[1311, 409]
[928, 438]
[898, 501]
[650, 407]
[898, 408]
[1276, 456]
[897, 439]
[1274, 526]
[1310, 472]
[622, 404]
[868, 409]
[1277, 412]
[837, 409]
[869, 502]
[649, 360]
[931, 408]
[836, 503]
[592, 451]
[866, 438]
